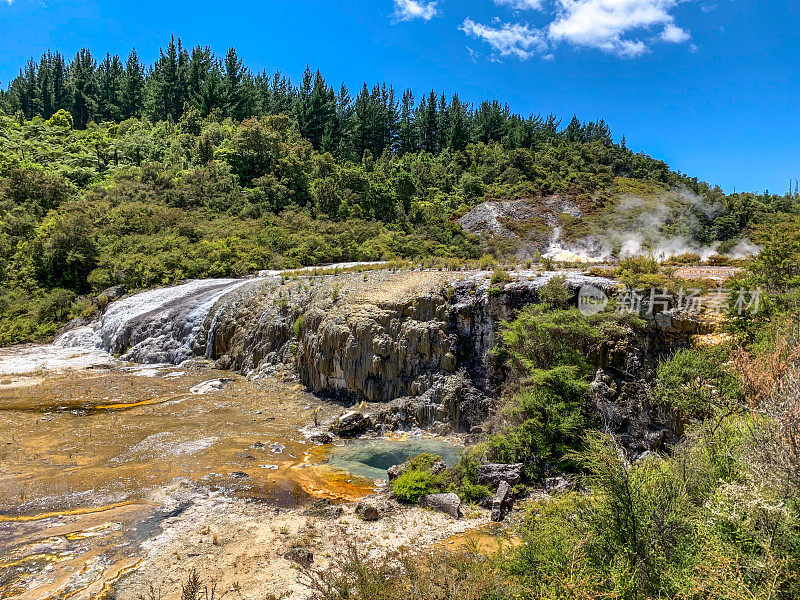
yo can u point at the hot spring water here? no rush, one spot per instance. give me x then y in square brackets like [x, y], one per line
[371, 458]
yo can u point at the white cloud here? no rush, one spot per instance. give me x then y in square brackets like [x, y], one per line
[521, 4]
[674, 34]
[509, 39]
[603, 24]
[407, 10]
[622, 27]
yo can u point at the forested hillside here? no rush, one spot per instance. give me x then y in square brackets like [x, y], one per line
[115, 173]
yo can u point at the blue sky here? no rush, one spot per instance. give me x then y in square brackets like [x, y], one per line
[710, 86]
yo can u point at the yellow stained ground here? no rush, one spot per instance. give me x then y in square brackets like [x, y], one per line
[85, 455]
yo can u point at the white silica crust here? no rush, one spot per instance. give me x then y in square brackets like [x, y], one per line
[157, 326]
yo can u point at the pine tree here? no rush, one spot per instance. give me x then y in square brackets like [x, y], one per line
[321, 111]
[527, 131]
[339, 141]
[110, 82]
[428, 123]
[58, 78]
[549, 129]
[82, 85]
[302, 106]
[391, 119]
[276, 94]
[203, 90]
[490, 122]
[408, 136]
[237, 88]
[133, 87]
[458, 137]
[27, 91]
[574, 132]
[166, 85]
[364, 119]
[44, 84]
[442, 124]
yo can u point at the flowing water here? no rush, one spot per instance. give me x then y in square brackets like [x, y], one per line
[158, 326]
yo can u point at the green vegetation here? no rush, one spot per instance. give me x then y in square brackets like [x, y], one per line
[424, 474]
[550, 354]
[717, 517]
[500, 276]
[112, 173]
[418, 479]
[116, 174]
[697, 383]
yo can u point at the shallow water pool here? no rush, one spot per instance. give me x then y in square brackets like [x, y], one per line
[371, 458]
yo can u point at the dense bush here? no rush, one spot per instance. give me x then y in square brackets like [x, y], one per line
[419, 480]
[696, 383]
[141, 203]
[549, 354]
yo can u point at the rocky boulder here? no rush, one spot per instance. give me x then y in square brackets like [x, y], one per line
[317, 436]
[558, 485]
[351, 424]
[213, 385]
[324, 509]
[109, 295]
[372, 508]
[395, 471]
[492, 475]
[301, 556]
[449, 504]
[503, 502]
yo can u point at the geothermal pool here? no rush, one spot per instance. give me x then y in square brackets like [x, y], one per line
[95, 460]
[371, 458]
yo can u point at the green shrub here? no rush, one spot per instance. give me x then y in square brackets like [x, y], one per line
[549, 355]
[422, 462]
[638, 265]
[418, 480]
[55, 306]
[463, 575]
[553, 554]
[549, 417]
[297, 326]
[473, 492]
[687, 258]
[555, 292]
[500, 276]
[696, 383]
[465, 475]
[414, 484]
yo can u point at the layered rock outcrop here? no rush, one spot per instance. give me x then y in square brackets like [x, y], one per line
[419, 338]
[418, 342]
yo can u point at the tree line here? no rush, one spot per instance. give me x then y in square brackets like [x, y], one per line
[185, 82]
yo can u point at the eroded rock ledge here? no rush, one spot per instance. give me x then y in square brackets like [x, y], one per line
[419, 340]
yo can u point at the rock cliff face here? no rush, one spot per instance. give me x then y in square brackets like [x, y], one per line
[418, 342]
[379, 336]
